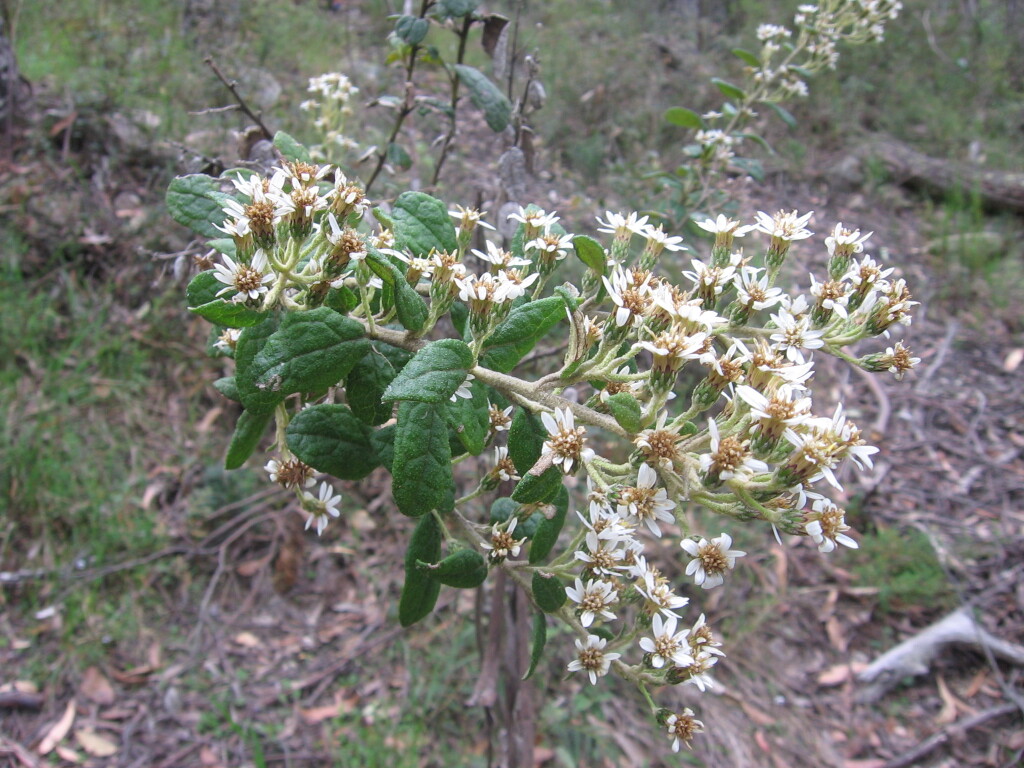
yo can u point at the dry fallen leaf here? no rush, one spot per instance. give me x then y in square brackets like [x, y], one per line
[96, 687]
[68, 755]
[58, 731]
[757, 715]
[1013, 360]
[247, 639]
[94, 744]
[948, 712]
[840, 673]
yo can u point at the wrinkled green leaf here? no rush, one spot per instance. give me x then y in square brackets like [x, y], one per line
[383, 442]
[433, 374]
[470, 420]
[422, 463]
[487, 97]
[410, 307]
[397, 156]
[591, 253]
[342, 300]
[684, 118]
[197, 202]
[534, 489]
[332, 440]
[522, 329]
[248, 431]
[455, 9]
[464, 569]
[549, 527]
[365, 387]
[227, 387]
[421, 224]
[626, 410]
[290, 149]
[526, 436]
[420, 591]
[309, 352]
[202, 300]
[412, 29]
[540, 636]
[250, 343]
[548, 591]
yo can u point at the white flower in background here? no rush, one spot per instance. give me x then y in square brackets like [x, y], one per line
[754, 292]
[499, 257]
[724, 226]
[321, 508]
[784, 225]
[711, 559]
[591, 658]
[623, 227]
[848, 240]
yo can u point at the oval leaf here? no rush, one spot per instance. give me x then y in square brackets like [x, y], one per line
[434, 373]
[487, 97]
[548, 592]
[540, 636]
[248, 431]
[331, 439]
[526, 438]
[626, 410]
[465, 569]
[421, 224]
[549, 527]
[591, 253]
[684, 118]
[365, 387]
[197, 202]
[421, 466]
[310, 351]
[729, 89]
[420, 591]
[290, 149]
[533, 489]
[747, 57]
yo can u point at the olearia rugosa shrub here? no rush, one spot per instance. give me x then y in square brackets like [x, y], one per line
[366, 338]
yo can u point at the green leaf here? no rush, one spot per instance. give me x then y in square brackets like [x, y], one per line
[309, 352]
[549, 527]
[540, 636]
[784, 114]
[591, 253]
[747, 57]
[502, 509]
[433, 375]
[202, 300]
[487, 97]
[454, 9]
[290, 149]
[750, 166]
[332, 440]
[410, 307]
[420, 591]
[248, 431]
[421, 224]
[365, 387]
[197, 202]
[228, 388]
[459, 314]
[465, 569]
[526, 437]
[540, 488]
[342, 300]
[470, 420]
[224, 245]
[684, 118]
[397, 156]
[626, 410]
[383, 442]
[412, 29]
[548, 592]
[729, 89]
[522, 329]
[250, 344]
[422, 468]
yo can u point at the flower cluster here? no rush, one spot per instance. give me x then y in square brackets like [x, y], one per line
[332, 94]
[742, 439]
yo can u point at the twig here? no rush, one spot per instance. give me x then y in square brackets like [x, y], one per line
[940, 356]
[406, 108]
[467, 22]
[20, 700]
[912, 756]
[232, 86]
[24, 757]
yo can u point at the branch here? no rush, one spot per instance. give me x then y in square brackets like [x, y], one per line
[232, 86]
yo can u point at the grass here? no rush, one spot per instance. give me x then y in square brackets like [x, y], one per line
[903, 565]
